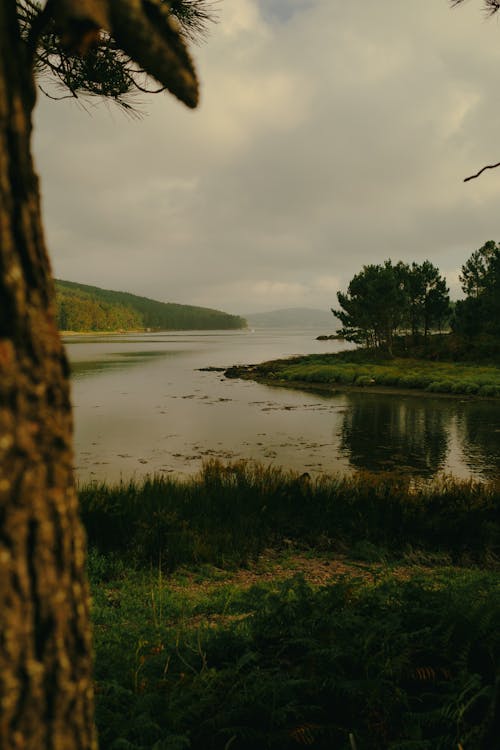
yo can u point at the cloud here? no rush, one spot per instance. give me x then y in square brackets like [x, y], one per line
[330, 135]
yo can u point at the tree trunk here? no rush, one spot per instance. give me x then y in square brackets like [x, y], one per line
[45, 662]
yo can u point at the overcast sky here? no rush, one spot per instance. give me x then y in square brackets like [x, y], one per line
[331, 134]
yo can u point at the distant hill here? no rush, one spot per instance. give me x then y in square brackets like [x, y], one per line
[81, 307]
[294, 317]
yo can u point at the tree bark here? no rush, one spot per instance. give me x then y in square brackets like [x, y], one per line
[46, 698]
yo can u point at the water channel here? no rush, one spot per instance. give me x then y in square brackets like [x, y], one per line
[144, 406]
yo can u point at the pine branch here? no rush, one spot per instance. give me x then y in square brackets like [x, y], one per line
[105, 71]
[488, 166]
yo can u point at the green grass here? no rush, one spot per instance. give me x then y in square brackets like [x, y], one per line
[393, 644]
[227, 515]
[362, 369]
[397, 664]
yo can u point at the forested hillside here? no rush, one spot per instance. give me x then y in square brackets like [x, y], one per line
[88, 308]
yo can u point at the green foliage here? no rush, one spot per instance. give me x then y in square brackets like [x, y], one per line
[229, 514]
[105, 71]
[382, 300]
[364, 369]
[401, 664]
[479, 313]
[199, 662]
[372, 309]
[476, 271]
[427, 300]
[87, 308]
[78, 310]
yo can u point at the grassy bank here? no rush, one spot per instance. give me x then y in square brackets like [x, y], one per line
[230, 514]
[254, 608]
[359, 369]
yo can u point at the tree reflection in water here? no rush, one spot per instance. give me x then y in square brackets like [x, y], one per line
[390, 433]
[481, 437]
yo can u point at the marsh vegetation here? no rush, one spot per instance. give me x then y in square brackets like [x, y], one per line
[371, 370]
[251, 607]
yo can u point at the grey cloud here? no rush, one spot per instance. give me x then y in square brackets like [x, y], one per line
[283, 10]
[331, 135]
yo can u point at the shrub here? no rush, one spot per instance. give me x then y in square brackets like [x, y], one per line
[459, 387]
[472, 388]
[364, 380]
[413, 380]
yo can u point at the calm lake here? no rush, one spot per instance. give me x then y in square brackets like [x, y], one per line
[143, 406]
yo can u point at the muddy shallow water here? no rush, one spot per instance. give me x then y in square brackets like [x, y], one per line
[143, 406]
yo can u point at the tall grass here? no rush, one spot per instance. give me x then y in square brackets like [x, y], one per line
[396, 664]
[228, 514]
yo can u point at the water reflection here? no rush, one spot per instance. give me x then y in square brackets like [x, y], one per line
[481, 436]
[142, 405]
[114, 361]
[386, 433]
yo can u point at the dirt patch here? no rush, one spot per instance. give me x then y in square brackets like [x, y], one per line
[317, 570]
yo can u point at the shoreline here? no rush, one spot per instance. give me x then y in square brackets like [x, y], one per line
[67, 334]
[121, 332]
[381, 390]
[344, 374]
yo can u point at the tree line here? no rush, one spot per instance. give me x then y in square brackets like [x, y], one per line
[387, 300]
[478, 314]
[81, 307]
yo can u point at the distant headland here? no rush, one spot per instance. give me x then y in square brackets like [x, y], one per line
[82, 308]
